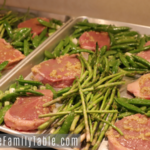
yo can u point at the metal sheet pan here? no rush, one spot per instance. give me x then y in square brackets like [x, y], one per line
[35, 13]
[24, 68]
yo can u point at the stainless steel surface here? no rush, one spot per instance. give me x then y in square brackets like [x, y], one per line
[34, 13]
[24, 68]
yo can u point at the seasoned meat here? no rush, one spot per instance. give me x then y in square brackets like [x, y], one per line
[23, 115]
[8, 53]
[145, 54]
[88, 40]
[59, 72]
[141, 87]
[136, 130]
[33, 23]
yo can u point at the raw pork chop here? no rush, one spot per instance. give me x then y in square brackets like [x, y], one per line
[59, 72]
[7, 52]
[88, 40]
[141, 87]
[33, 23]
[145, 54]
[136, 130]
[23, 115]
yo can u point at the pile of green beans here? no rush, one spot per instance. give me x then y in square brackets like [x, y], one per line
[132, 106]
[92, 99]
[23, 40]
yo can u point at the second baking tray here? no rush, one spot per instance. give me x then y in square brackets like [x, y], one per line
[24, 68]
[35, 13]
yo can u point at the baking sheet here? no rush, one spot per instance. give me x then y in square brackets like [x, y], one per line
[35, 13]
[24, 68]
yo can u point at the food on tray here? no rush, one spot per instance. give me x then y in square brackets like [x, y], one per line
[88, 40]
[59, 72]
[136, 132]
[92, 102]
[24, 33]
[33, 23]
[145, 54]
[23, 115]
[8, 53]
[141, 87]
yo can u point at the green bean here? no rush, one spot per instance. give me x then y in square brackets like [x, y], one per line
[117, 129]
[30, 82]
[126, 40]
[82, 69]
[142, 43]
[145, 48]
[139, 101]
[140, 65]
[3, 65]
[17, 44]
[81, 50]
[127, 33]
[141, 60]
[129, 106]
[3, 111]
[67, 49]
[30, 91]
[44, 23]
[42, 35]
[136, 70]
[110, 52]
[35, 41]
[121, 46]
[26, 47]
[111, 38]
[95, 102]
[64, 90]
[112, 29]
[49, 54]
[53, 91]
[20, 49]
[58, 22]
[2, 33]
[81, 29]
[58, 48]
[123, 60]
[24, 35]
[8, 28]
[130, 60]
[103, 51]
[106, 64]
[125, 114]
[51, 31]
[66, 41]
[65, 127]
[84, 113]
[115, 67]
[9, 96]
[143, 108]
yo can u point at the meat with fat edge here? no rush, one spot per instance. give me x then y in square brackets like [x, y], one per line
[33, 23]
[23, 115]
[88, 40]
[136, 130]
[145, 54]
[59, 72]
[141, 87]
[8, 53]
